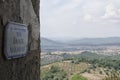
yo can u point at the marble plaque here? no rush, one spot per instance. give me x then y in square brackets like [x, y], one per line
[16, 40]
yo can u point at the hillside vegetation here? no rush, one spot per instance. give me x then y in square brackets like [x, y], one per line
[91, 64]
[78, 77]
[54, 73]
[113, 76]
[67, 67]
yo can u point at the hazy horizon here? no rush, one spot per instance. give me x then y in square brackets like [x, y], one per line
[71, 39]
[74, 19]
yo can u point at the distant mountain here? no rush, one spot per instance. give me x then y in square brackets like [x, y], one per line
[51, 45]
[49, 42]
[97, 41]
[84, 41]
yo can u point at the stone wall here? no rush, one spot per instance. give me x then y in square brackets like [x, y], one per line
[27, 12]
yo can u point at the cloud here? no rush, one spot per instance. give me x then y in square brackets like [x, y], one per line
[112, 14]
[111, 11]
[55, 2]
[69, 7]
[73, 17]
[87, 17]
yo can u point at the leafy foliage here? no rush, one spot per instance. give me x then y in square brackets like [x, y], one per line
[54, 73]
[113, 76]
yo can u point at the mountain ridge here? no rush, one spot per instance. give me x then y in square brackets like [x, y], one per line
[97, 41]
[83, 41]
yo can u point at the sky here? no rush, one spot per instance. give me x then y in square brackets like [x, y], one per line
[80, 18]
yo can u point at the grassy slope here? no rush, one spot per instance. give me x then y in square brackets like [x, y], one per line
[78, 77]
[68, 67]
